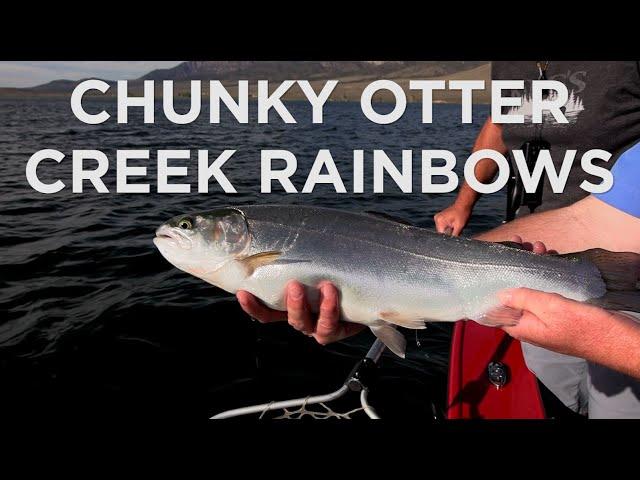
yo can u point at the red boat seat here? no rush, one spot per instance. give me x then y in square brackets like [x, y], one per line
[471, 394]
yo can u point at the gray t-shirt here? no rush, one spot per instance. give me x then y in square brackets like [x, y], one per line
[603, 112]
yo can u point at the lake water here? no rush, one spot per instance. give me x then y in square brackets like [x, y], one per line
[96, 322]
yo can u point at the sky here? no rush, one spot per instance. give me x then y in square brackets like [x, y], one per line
[29, 74]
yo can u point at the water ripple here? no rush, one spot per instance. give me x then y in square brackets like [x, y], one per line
[90, 306]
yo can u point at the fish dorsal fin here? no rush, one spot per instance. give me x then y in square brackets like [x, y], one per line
[386, 216]
[253, 262]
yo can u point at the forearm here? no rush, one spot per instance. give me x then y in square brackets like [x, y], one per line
[617, 346]
[556, 323]
[490, 137]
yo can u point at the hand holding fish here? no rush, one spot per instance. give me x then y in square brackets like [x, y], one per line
[453, 218]
[326, 328]
[566, 326]
[535, 247]
[556, 323]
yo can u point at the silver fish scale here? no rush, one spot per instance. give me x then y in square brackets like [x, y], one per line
[381, 265]
[404, 238]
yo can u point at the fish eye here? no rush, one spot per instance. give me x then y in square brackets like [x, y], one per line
[185, 224]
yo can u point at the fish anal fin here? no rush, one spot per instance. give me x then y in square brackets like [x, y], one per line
[402, 320]
[253, 262]
[500, 316]
[392, 338]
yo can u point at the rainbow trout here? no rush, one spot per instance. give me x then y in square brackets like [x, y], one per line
[388, 273]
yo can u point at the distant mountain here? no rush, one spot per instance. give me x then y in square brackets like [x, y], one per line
[353, 77]
[63, 86]
[283, 70]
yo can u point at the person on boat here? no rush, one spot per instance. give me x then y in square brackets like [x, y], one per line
[604, 112]
[607, 342]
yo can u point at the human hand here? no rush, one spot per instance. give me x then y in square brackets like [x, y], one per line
[551, 321]
[557, 323]
[452, 219]
[554, 322]
[325, 328]
[535, 247]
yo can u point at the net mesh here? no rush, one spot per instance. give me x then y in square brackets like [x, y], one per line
[317, 414]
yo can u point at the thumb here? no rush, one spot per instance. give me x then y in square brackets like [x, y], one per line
[523, 299]
[442, 223]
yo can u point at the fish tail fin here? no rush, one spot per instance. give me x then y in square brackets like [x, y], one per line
[392, 338]
[627, 302]
[621, 273]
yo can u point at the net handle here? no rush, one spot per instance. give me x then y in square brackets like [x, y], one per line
[368, 409]
[374, 354]
[297, 402]
[376, 351]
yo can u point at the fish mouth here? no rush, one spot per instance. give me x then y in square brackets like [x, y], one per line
[164, 233]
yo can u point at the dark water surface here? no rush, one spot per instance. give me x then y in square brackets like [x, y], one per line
[96, 323]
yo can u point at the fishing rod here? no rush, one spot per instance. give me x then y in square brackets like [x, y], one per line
[359, 380]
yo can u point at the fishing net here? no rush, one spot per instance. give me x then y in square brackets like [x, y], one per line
[297, 409]
[304, 411]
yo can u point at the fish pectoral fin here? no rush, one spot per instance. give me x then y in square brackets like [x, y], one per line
[500, 316]
[392, 338]
[403, 320]
[253, 262]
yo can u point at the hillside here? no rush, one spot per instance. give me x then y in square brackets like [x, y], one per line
[292, 70]
[353, 77]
